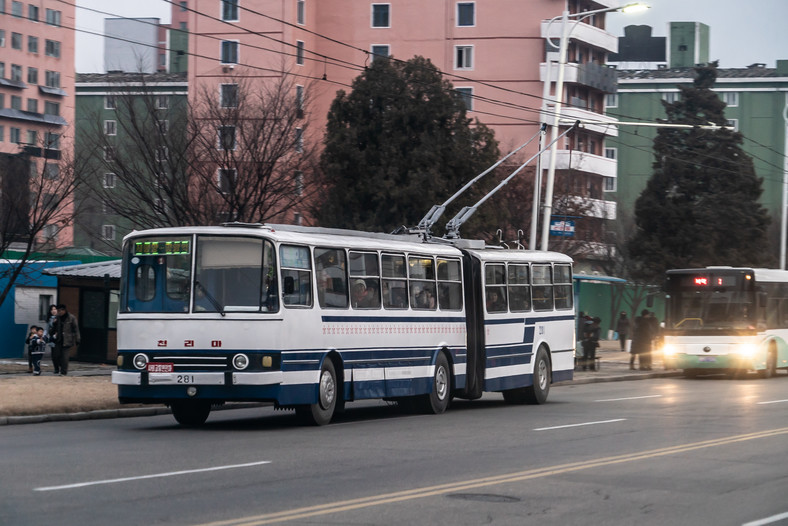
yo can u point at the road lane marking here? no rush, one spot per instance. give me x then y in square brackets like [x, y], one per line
[582, 424]
[773, 402]
[442, 489]
[153, 476]
[628, 398]
[768, 520]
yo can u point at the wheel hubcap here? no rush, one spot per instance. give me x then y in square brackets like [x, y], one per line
[542, 372]
[441, 383]
[327, 390]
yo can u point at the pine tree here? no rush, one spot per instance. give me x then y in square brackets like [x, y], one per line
[397, 144]
[700, 206]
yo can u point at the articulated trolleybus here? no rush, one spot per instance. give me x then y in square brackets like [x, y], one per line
[311, 318]
[725, 319]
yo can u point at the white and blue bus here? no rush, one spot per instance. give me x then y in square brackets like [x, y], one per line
[726, 320]
[312, 318]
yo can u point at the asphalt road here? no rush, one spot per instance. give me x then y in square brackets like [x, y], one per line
[654, 452]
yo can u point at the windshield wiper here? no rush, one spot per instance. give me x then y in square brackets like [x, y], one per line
[216, 305]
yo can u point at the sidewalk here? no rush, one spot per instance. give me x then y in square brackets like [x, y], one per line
[86, 393]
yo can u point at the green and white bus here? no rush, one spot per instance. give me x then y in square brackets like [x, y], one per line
[730, 320]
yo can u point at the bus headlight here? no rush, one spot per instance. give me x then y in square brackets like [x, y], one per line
[240, 361]
[668, 350]
[140, 361]
[746, 350]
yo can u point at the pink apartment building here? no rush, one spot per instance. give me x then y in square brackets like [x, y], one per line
[37, 88]
[493, 51]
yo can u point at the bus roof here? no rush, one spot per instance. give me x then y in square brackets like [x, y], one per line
[761, 274]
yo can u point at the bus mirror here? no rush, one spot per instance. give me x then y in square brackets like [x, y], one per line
[289, 285]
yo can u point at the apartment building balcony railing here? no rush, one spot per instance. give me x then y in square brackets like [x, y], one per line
[596, 208]
[582, 162]
[601, 77]
[588, 119]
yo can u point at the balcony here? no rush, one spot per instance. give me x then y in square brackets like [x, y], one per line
[601, 77]
[582, 32]
[582, 162]
[595, 207]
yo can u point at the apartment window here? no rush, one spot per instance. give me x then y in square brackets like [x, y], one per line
[32, 75]
[2, 133]
[52, 79]
[16, 41]
[466, 14]
[609, 184]
[108, 232]
[109, 102]
[2, 37]
[164, 126]
[16, 102]
[52, 141]
[16, 9]
[611, 100]
[32, 137]
[161, 154]
[108, 180]
[300, 101]
[15, 135]
[226, 179]
[52, 48]
[611, 153]
[230, 10]
[466, 96]
[182, 26]
[381, 15]
[32, 105]
[162, 102]
[51, 171]
[32, 12]
[44, 301]
[229, 52]
[32, 44]
[2, 70]
[301, 12]
[110, 128]
[380, 51]
[227, 138]
[109, 153]
[16, 72]
[49, 232]
[733, 123]
[730, 98]
[463, 57]
[184, 5]
[53, 17]
[228, 95]
[299, 140]
[670, 97]
[299, 52]
[299, 183]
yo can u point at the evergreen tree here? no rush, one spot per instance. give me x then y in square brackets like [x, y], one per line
[397, 144]
[700, 206]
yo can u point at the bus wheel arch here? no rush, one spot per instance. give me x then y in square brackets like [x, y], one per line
[329, 391]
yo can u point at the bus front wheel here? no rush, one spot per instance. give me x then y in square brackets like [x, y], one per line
[537, 392]
[190, 413]
[320, 413]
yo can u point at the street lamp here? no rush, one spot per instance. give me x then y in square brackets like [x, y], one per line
[559, 95]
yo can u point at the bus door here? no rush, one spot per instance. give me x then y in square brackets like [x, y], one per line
[474, 320]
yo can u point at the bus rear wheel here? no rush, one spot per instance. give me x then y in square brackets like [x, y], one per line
[437, 401]
[771, 365]
[191, 413]
[537, 392]
[320, 413]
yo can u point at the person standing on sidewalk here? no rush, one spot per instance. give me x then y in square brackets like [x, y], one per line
[622, 328]
[67, 336]
[641, 342]
[50, 334]
[590, 343]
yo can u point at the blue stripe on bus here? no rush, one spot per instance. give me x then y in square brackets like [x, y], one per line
[398, 319]
[528, 321]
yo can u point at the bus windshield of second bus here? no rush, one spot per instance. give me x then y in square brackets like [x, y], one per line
[711, 301]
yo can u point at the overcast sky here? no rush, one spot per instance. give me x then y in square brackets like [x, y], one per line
[742, 32]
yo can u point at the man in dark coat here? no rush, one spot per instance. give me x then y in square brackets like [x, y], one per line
[622, 328]
[641, 342]
[67, 336]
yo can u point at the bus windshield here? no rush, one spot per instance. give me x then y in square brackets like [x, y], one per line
[710, 301]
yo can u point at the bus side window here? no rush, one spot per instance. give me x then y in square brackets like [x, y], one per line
[364, 280]
[495, 287]
[395, 281]
[563, 286]
[296, 276]
[542, 289]
[449, 285]
[519, 288]
[422, 283]
[332, 290]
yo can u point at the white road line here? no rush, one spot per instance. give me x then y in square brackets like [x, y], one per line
[768, 520]
[155, 475]
[772, 402]
[628, 398]
[583, 424]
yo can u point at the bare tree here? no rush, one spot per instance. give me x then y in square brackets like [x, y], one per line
[38, 187]
[237, 153]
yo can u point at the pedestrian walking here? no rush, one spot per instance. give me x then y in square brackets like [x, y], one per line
[622, 328]
[642, 337]
[590, 344]
[66, 337]
[50, 335]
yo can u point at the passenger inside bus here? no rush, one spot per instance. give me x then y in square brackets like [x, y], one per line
[495, 300]
[365, 295]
